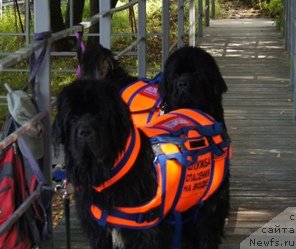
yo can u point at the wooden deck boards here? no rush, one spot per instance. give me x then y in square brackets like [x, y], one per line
[259, 115]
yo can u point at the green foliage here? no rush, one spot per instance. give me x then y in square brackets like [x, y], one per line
[219, 11]
[120, 24]
[9, 24]
[274, 9]
[271, 8]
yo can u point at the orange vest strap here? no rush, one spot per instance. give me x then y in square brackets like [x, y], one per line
[120, 219]
[143, 216]
[125, 160]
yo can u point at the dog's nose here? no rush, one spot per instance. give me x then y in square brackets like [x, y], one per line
[183, 84]
[85, 132]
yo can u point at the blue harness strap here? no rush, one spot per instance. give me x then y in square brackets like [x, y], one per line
[155, 107]
[209, 130]
[149, 216]
[178, 230]
[155, 80]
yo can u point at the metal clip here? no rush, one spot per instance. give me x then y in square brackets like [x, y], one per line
[62, 189]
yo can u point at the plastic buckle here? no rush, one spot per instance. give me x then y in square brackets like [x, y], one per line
[103, 220]
[151, 215]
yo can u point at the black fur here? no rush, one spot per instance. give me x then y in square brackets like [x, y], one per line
[100, 63]
[192, 80]
[93, 124]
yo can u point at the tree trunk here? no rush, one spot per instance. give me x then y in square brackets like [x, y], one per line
[94, 7]
[57, 24]
[78, 6]
[56, 18]
[113, 3]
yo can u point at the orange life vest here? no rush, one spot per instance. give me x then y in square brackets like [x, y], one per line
[143, 100]
[191, 160]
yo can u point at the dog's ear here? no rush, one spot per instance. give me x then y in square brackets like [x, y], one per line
[164, 83]
[215, 77]
[57, 133]
[106, 66]
[97, 62]
[57, 128]
[220, 86]
[161, 87]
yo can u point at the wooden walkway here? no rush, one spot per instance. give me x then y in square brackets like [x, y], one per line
[258, 107]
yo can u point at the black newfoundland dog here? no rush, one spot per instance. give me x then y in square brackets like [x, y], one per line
[192, 79]
[94, 125]
[98, 62]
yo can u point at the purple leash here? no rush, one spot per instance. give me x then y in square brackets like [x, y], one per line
[80, 51]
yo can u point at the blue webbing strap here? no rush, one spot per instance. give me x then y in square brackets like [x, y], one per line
[153, 214]
[208, 130]
[32, 162]
[155, 80]
[178, 230]
[177, 216]
[36, 63]
[156, 104]
[33, 165]
[149, 216]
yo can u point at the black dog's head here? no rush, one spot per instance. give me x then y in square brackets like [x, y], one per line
[192, 80]
[87, 110]
[98, 62]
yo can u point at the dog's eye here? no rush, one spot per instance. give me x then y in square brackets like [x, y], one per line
[74, 119]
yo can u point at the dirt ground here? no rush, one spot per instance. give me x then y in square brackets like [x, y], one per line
[235, 10]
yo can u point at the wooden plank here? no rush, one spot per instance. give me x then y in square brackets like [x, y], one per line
[78, 238]
[258, 108]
